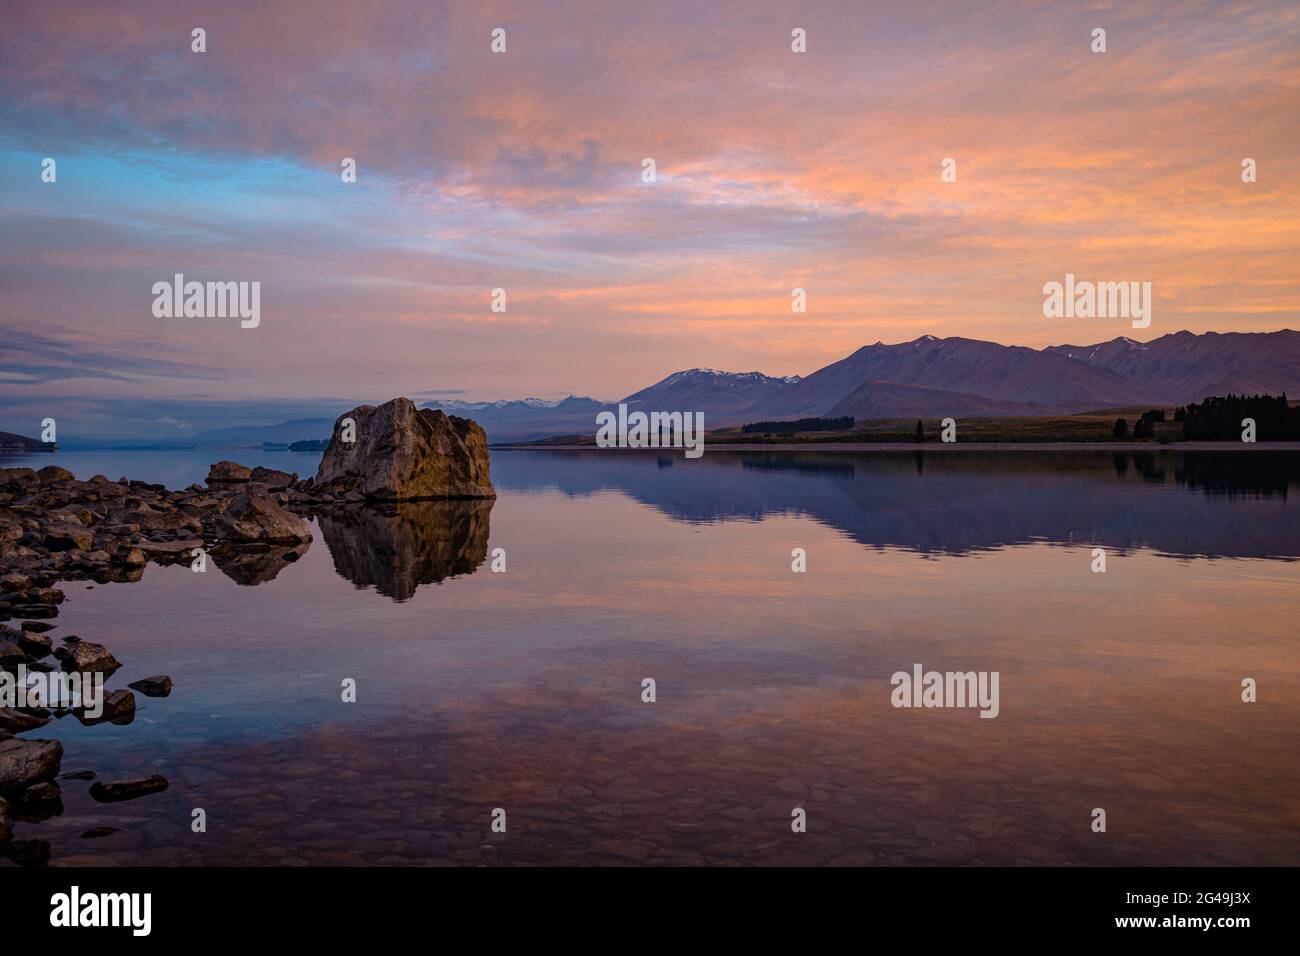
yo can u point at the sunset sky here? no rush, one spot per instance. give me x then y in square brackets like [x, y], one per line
[522, 170]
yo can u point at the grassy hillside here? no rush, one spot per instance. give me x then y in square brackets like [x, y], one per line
[1094, 426]
[1073, 428]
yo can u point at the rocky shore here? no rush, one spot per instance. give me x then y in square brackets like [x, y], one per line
[249, 521]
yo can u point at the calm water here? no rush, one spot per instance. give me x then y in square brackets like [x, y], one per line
[522, 690]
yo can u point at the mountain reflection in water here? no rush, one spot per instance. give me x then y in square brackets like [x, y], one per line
[1211, 504]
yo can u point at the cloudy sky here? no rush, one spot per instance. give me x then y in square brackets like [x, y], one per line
[522, 170]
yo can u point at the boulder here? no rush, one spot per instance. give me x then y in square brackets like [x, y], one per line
[40, 596]
[272, 478]
[70, 513]
[25, 762]
[11, 528]
[52, 473]
[401, 453]
[11, 653]
[144, 517]
[17, 480]
[256, 518]
[118, 707]
[37, 645]
[159, 685]
[68, 537]
[226, 471]
[19, 721]
[87, 657]
[127, 789]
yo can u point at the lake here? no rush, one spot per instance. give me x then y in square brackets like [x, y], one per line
[523, 690]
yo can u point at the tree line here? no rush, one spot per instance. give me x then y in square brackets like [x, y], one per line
[801, 425]
[1218, 418]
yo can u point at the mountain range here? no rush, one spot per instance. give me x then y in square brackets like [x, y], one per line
[928, 377]
[1186, 367]
[933, 377]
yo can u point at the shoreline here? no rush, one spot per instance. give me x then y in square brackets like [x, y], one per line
[1108, 446]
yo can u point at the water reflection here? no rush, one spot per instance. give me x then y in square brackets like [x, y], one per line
[1212, 504]
[523, 690]
[256, 565]
[395, 548]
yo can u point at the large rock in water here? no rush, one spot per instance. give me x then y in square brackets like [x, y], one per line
[402, 453]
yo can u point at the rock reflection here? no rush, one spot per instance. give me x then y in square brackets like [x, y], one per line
[256, 565]
[27, 852]
[397, 547]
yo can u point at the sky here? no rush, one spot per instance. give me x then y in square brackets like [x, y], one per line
[522, 170]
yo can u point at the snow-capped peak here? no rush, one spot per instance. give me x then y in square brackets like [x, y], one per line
[499, 403]
[734, 376]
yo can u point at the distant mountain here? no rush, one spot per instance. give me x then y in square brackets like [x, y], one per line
[1184, 367]
[1003, 373]
[528, 418]
[254, 435]
[719, 395]
[523, 405]
[891, 400]
[11, 442]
